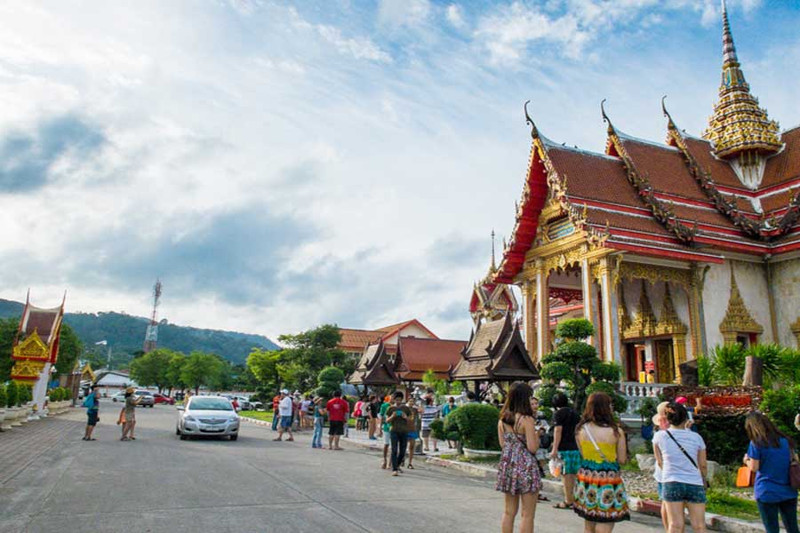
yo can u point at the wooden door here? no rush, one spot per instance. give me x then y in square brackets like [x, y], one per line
[665, 361]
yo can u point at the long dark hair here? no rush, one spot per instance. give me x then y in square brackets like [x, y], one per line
[518, 402]
[599, 412]
[762, 431]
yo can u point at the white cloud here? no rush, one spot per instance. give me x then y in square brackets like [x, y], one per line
[403, 12]
[358, 48]
[455, 16]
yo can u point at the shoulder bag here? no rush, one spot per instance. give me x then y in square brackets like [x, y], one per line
[794, 473]
[694, 463]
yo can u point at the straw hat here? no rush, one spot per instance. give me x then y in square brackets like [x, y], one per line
[661, 411]
[130, 390]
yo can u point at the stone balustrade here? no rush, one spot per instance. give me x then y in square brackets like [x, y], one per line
[636, 392]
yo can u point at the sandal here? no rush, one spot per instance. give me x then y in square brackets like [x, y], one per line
[543, 498]
[562, 505]
[410, 466]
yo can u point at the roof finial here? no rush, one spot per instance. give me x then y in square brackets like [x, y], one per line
[605, 116]
[529, 121]
[494, 267]
[728, 48]
[670, 122]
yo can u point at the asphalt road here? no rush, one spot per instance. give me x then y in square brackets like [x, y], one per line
[160, 483]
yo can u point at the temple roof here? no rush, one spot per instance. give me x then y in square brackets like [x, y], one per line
[375, 368]
[495, 352]
[416, 356]
[358, 339]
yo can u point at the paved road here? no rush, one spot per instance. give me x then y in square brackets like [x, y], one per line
[159, 483]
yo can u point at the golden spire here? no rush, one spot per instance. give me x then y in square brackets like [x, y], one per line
[739, 127]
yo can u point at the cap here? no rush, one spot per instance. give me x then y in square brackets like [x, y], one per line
[284, 391]
[681, 400]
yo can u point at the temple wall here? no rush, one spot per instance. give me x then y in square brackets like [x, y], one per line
[786, 288]
[752, 282]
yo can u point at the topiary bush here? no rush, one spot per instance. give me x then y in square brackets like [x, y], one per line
[781, 406]
[724, 435]
[329, 381]
[56, 394]
[2, 396]
[25, 394]
[66, 393]
[12, 394]
[476, 426]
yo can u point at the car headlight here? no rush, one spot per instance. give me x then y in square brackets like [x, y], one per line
[233, 419]
[189, 419]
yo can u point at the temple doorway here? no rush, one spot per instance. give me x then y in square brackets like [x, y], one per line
[634, 361]
[665, 367]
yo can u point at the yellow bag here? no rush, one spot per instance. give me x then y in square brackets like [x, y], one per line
[744, 477]
[121, 419]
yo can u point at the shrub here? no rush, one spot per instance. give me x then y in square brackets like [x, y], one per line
[25, 394]
[66, 394]
[647, 410]
[54, 394]
[781, 406]
[729, 364]
[575, 329]
[329, 381]
[2, 395]
[476, 426]
[705, 371]
[12, 394]
[620, 403]
[724, 435]
[437, 429]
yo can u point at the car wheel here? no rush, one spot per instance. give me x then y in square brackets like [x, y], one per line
[184, 437]
[177, 431]
[234, 437]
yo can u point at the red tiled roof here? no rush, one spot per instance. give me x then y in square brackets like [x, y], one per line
[784, 165]
[358, 339]
[417, 356]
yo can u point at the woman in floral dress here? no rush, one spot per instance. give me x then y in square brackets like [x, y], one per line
[518, 473]
[600, 497]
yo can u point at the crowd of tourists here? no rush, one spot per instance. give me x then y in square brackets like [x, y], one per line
[588, 449]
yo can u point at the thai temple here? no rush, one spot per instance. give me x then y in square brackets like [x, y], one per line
[669, 248]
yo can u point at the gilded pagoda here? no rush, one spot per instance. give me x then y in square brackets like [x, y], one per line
[669, 249]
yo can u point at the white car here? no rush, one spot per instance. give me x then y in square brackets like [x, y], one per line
[207, 416]
[119, 397]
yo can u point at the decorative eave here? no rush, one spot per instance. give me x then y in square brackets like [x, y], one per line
[737, 317]
[669, 323]
[533, 203]
[766, 229]
[660, 210]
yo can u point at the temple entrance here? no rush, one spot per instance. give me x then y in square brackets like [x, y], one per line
[634, 361]
[665, 367]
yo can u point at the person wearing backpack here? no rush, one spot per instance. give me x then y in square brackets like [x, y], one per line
[770, 455]
[92, 404]
[681, 455]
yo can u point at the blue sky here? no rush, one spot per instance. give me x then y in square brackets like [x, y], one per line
[280, 165]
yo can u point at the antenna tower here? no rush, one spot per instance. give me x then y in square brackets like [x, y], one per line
[151, 335]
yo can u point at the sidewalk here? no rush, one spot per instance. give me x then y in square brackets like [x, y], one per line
[23, 445]
[361, 439]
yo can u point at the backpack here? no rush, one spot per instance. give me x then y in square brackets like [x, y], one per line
[88, 402]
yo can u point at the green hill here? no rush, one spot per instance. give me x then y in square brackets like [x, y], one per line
[125, 333]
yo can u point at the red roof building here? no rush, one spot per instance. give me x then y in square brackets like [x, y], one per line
[416, 356]
[697, 238]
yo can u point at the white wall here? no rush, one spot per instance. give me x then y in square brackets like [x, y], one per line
[409, 331]
[751, 279]
[786, 288]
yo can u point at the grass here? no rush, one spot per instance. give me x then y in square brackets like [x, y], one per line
[721, 502]
[266, 416]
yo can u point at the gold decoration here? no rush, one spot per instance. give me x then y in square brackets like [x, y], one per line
[27, 369]
[739, 127]
[644, 321]
[654, 274]
[31, 348]
[622, 311]
[737, 317]
[796, 330]
[668, 322]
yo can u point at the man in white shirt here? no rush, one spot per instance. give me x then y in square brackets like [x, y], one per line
[285, 407]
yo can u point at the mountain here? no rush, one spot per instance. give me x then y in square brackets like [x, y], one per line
[125, 333]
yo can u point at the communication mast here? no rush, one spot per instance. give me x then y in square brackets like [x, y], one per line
[151, 335]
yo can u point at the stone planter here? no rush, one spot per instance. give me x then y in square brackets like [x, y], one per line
[2, 419]
[482, 454]
[16, 415]
[25, 413]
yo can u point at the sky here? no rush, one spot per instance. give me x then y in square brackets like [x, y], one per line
[280, 165]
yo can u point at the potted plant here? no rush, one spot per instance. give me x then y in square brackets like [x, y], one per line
[647, 410]
[12, 403]
[24, 401]
[476, 427]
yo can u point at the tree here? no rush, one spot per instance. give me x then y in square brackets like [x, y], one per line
[69, 349]
[308, 352]
[175, 370]
[153, 368]
[265, 367]
[440, 387]
[201, 369]
[329, 381]
[8, 330]
[575, 362]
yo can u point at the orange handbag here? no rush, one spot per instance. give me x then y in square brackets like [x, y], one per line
[744, 477]
[121, 419]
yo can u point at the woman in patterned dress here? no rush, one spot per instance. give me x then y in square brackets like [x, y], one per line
[518, 473]
[600, 497]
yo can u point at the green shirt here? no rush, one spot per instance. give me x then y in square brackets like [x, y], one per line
[400, 424]
[385, 407]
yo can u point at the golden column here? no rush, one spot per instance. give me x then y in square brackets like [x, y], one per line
[542, 309]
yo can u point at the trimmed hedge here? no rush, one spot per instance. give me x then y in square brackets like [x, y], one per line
[724, 435]
[476, 426]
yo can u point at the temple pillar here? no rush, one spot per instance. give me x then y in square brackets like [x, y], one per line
[529, 294]
[697, 325]
[611, 338]
[586, 288]
[542, 310]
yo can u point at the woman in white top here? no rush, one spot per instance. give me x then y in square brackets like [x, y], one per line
[681, 455]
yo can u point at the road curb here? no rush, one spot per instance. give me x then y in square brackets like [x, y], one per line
[255, 421]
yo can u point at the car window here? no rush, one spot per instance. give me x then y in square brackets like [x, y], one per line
[210, 404]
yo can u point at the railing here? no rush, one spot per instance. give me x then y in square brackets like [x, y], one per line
[636, 392]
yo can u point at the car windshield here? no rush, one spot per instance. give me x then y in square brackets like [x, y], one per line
[210, 404]
[143, 393]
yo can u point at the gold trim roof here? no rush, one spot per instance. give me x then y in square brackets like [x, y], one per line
[739, 125]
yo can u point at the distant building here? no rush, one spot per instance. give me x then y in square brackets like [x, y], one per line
[355, 341]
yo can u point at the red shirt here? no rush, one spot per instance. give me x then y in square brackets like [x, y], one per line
[275, 401]
[337, 410]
